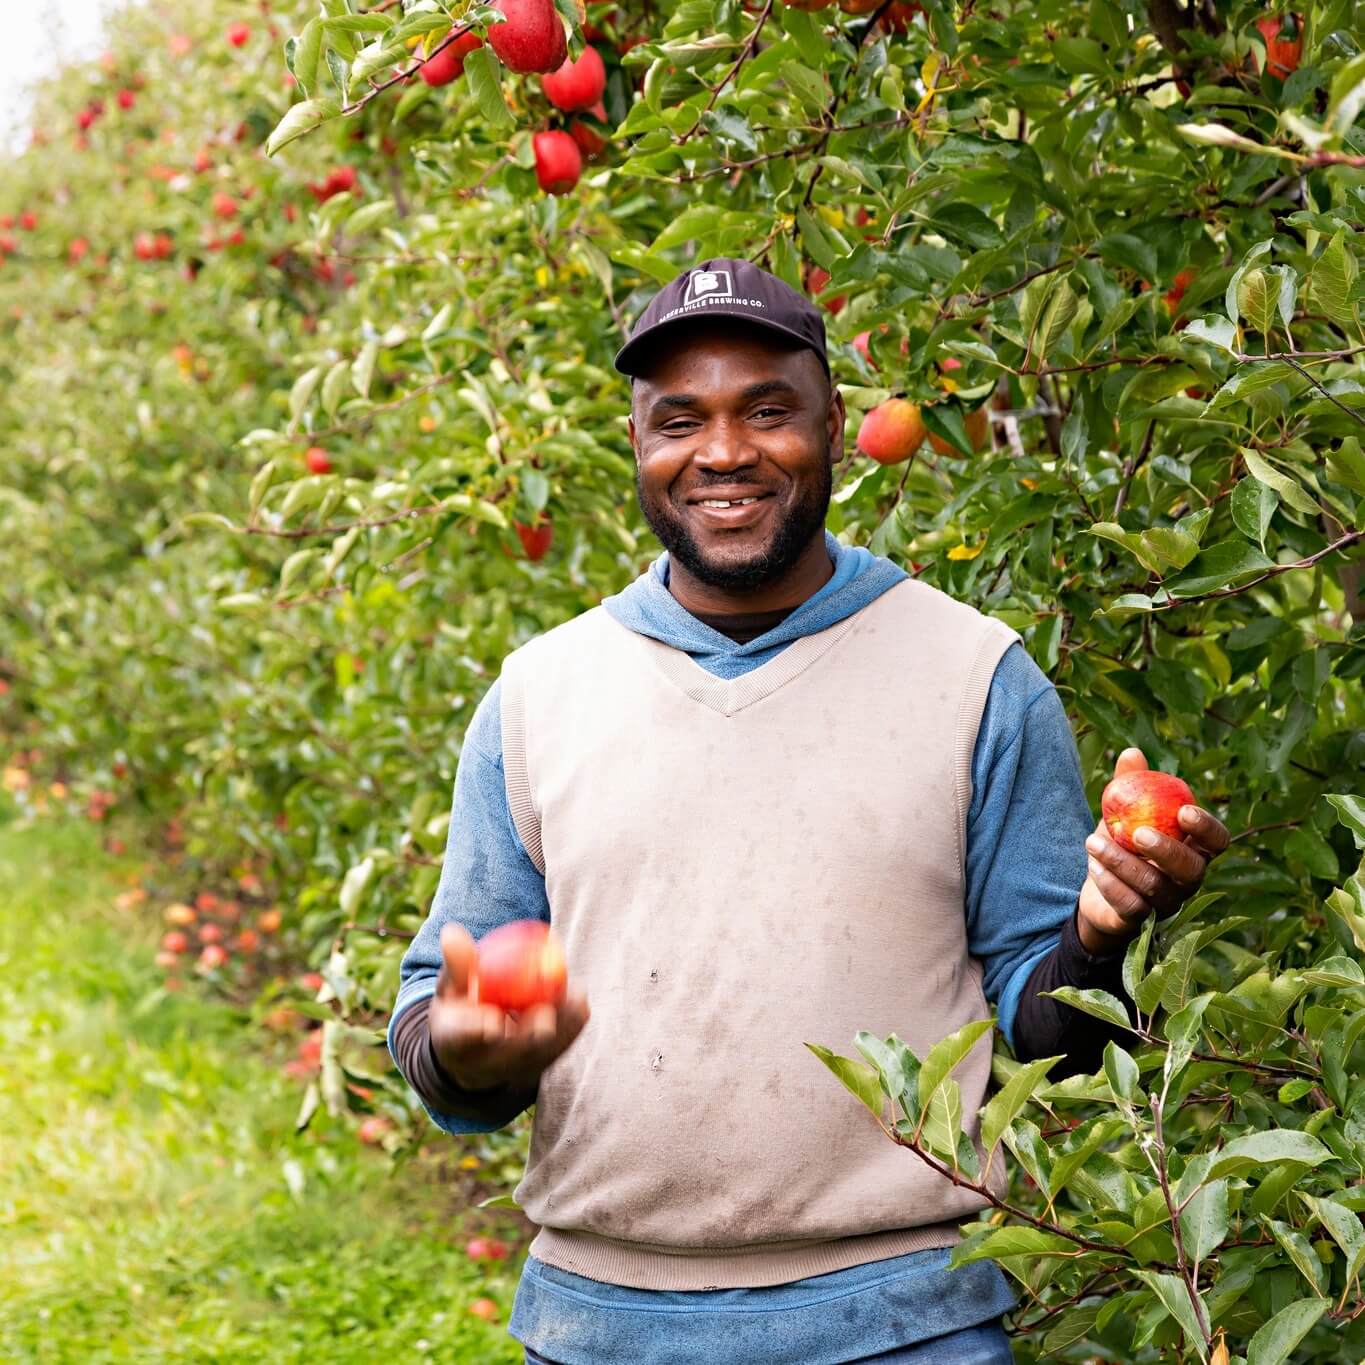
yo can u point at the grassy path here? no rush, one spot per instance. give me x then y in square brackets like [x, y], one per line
[145, 1213]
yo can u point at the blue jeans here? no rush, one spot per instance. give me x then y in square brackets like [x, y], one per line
[985, 1344]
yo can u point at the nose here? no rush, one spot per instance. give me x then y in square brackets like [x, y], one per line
[727, 447]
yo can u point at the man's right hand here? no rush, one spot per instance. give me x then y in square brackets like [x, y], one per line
[483, 1047]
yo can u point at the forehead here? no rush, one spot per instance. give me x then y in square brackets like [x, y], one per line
[719, 357]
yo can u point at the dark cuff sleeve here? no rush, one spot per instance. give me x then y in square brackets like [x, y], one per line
[416, 1059]
[1044, 1027]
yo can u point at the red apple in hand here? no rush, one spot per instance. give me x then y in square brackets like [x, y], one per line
[521, 964]
[1146, 798]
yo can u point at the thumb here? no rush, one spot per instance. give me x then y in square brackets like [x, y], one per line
[458, 961]
[1131, 760]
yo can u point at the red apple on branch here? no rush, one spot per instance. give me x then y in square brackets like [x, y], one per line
[530, 38]
[577, 85]
[892, 431]
[559, 163]
[448, 64]
[535, 540]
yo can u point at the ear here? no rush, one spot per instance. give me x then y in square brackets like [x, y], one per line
[634, 443]
[834, 424]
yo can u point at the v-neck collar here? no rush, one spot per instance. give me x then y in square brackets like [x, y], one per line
[728, 696]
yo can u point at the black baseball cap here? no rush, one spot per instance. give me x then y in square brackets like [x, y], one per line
[725, 287]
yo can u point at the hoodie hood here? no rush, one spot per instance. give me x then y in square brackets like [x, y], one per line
[649, 608]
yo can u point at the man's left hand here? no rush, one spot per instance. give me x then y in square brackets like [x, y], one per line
[1122, 889]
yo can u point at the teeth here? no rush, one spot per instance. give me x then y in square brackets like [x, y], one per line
[739, 502]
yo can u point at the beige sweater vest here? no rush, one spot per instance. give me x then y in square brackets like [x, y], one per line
[738, 867]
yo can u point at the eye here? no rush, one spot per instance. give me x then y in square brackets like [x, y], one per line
[778, 412]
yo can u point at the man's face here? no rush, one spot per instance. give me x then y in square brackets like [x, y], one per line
[725, 413]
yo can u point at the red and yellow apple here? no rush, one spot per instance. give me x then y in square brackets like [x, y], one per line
[1142, 798]
[892, 431]
[521, 964]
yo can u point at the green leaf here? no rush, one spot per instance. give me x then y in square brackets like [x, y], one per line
[946, 1054]
[1099, 1004]
[1272, 1145]
[1343, 1225]
[1275, 1340]
[1351, 813]
[300, 118]
[1204, 1220]
[1215, 330]
[1344, 972]
[1217, 567]
[1174, 1298]
[1261, 248]
[1135, 959]
[498, 1201]
[889, 1061]
[1253, 506]
[301, 393]
[1296, 1246]
[1331, 285]
[362, 371]
[1313, 851]
[1287, 488]
[1254, 376]
[858, 1078]
[307, 54]
[1121, 1071]
[481, 70]
[1219, 135]
[1005, 1105]
[997, 1244]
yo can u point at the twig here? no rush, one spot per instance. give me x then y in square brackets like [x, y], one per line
[1317, 384]
[1130, 467]
[457, 32]
[745, 53]
[1261, 829]
[1343, 543]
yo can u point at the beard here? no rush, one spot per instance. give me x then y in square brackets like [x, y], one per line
[757, 564]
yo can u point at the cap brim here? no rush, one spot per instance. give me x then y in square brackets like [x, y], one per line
[630, 355]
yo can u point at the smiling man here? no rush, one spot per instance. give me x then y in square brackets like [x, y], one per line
[774, 792]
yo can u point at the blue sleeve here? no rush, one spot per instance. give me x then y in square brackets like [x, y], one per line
[487, 877]
[1026, 831]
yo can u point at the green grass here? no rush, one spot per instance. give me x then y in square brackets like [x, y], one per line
[147, 1155]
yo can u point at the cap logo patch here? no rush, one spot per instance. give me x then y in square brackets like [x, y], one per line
[705, 282]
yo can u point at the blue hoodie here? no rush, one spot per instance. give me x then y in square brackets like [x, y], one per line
[1020, 890]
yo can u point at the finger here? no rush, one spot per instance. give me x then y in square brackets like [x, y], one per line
[536, 1026]
[1183, 864]
[466, 1025]
[1208, 831]
[1131, 760]
[458, 959]
[1117, 894]
[1148, 881]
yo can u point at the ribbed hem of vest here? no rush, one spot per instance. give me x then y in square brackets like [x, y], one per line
[638, 1265]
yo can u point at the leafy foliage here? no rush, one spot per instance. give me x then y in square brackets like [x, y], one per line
[1109, 226]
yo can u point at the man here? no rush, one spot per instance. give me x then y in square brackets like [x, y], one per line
[773, 792]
